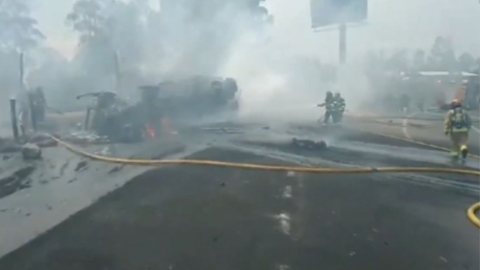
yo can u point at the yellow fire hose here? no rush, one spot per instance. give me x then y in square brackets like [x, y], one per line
[146, 162]
[471, 214]
[474, 208]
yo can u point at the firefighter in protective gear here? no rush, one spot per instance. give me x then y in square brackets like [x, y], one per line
[338, 108]
[457, 125]
[328, 104]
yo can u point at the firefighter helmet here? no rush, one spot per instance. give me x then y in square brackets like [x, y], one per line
[456, 103]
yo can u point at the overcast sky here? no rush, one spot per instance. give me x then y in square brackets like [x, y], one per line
[391, 24]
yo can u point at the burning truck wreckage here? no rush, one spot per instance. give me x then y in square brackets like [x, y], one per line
[159, 104]
[111, 119]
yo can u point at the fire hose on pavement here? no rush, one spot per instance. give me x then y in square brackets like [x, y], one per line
[144, 162]
[471, 214]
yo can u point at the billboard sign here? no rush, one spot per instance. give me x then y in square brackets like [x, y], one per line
[328, 12]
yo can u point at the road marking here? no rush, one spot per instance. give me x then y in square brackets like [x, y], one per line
[405, 129]
[405, 125]
[287, 192]
[284, 220]
[473, 117]
[283, 267]
[476, 129]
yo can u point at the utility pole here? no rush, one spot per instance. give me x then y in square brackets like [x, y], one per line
[342, 45]
[117, 71]
[21, 86]
[22, 95]
[342, 38]
[13, 112]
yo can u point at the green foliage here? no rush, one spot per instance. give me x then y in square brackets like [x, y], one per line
[89, 19]
[441, 57]
[106, 28]
[18, 30]
[466, 62]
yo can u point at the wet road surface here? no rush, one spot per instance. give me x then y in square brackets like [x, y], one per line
[425, 127]
[185, 217]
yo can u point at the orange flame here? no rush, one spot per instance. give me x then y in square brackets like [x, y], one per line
[151, 132]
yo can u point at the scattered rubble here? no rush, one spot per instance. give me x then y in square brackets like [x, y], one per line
[31, 151]
[64, 167]
[16, 181]
[72, 180]
[309, 144]
[85, 138]
[106, 151]
[9, 146]
[43, 140]
[39, 140]
[115, 169]
[81, 165]
[226, 130]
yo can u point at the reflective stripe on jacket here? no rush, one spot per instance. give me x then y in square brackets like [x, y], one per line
[339, 105]
[457, 120]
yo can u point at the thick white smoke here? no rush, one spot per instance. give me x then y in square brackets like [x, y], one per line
[275, 87]
[277, 67]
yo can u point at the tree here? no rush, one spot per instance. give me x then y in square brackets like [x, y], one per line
[89, 19]
[112, 37]
[466, 62]
[419, 60]
[443, 55]
[398, 61]
[18, 30]
[117, 24]
[128, 23]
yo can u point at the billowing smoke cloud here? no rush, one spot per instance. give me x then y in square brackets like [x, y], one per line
[275, 87]
[197, 37]
[277, 66]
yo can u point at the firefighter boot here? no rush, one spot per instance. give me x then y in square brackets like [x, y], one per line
[454, 155]
[464, 151]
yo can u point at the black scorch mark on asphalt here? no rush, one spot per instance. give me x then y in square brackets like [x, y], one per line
[81, 165]
[16, 181]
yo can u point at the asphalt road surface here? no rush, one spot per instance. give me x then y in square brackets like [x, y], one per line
[191, 217]
[425, 127]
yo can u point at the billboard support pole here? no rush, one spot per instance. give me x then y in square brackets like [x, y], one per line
[117, 71]
[342, 46]
[13, 112]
